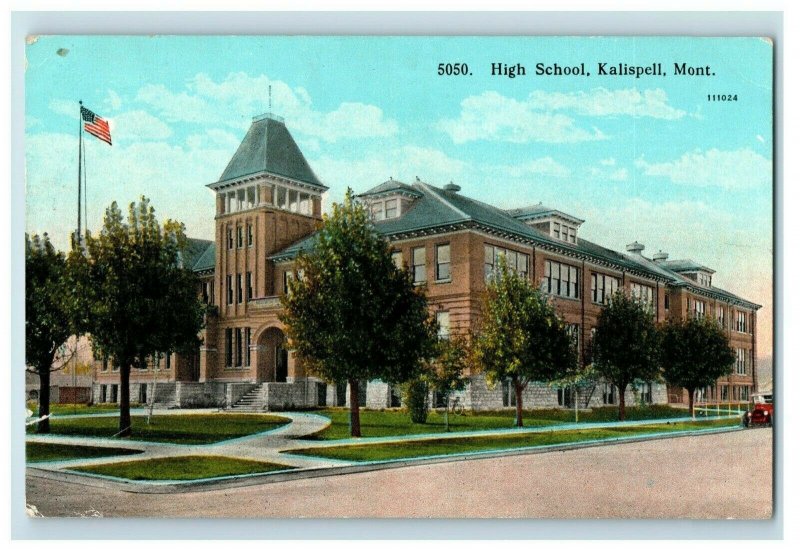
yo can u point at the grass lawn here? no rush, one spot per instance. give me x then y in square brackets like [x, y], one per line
[176, 429]
[76, 409]
[194, 467]
[39, 451]
[398, 423]
[447, 446]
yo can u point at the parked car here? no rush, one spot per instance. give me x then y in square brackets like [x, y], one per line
[760, 412]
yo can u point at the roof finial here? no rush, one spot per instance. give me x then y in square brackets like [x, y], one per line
[417, 177]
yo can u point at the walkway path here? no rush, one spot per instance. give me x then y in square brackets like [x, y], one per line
[269, 445]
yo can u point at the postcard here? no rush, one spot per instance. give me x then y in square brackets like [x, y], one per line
[399, 277]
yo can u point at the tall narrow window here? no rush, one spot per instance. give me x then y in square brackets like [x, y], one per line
[293, 201]
[560, 279]
[230, 238]
[443, 318]
[247, 346]
[391, 208]
[167, 361]
[239, 237]
[282, 202]
[238, 346]
[249, 285]
[228, 347]
[397, 258]
[251, 197]
[443, 262]
[377, 211]
[418, 257]
[249, 235]
[229, 287]
[239, 294]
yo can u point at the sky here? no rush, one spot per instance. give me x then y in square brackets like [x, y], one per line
[648, 159]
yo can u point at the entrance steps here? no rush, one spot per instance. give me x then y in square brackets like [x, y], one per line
[254, 400]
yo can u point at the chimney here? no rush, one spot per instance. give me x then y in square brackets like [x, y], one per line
[635, 247]
[660, 256]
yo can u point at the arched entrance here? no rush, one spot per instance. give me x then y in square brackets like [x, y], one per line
[273, 357]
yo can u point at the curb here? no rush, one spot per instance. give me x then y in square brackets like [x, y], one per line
[316, 472]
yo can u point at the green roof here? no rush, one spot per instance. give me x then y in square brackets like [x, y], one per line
[686, 266]
[268, 147]
[390, 186]
[194, 250]
[438, 209]
[203, 256]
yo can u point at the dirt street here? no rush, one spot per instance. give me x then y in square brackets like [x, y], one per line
[706, 477]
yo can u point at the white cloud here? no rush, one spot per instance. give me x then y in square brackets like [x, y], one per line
[233, 101]
[113, 101]
[601, 102]
[611, 161]
[138, 126]
[64, 107]
[739, 169]
[619, 175]
[545, 166]
[492, 116]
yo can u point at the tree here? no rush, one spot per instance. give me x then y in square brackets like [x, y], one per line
[444, 372]
[49, 316]
[353, 315]
[694, 354]
[521, 337]
[139, 299]
[626, 344]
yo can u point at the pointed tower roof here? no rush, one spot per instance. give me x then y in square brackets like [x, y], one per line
[268, 147]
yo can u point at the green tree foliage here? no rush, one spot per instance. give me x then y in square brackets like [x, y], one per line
[444, 372]
[50, 307]
[521, 337]
[416, 400]
[353, 315]
[626, 344]
[694, 354]
[139, 298]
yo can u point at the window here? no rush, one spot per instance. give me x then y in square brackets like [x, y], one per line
[287, 276]
[666, 301]
[230, 238]
[167, 361]
[249, 285]
[556, 230]
[741, 322]
[418, 264]
[699, 309]
[443, 262]
[741, 361]
[246, 346]
[103, 394]
[723, 393]
[293, 200]
[518, 262]
[230, 202]
[572, 236]
[646, 393]
[240, 199]
[560, 279]
[509, 395]
[721, 316]
[229, 286]
[443, 319]
[397, 258]
[603, 287]
[238, 346]
[228, 347]
[574, 332]
[239, 237]
[114, 393]
[251, 197]
[642, 293]
[239, 293]
[282, 202]
[105, 364]
[565, 396]
[377, 210]
[609, 394]
[391, 208]
[249, 235]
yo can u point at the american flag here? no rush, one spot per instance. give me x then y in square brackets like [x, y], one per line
[95, 125]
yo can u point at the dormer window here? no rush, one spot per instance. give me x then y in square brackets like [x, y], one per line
[558, 225]
[389, 200]
[384, 209]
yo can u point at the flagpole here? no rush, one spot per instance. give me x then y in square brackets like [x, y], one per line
[80, 158]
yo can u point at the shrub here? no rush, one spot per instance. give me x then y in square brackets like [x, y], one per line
[416, 400]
